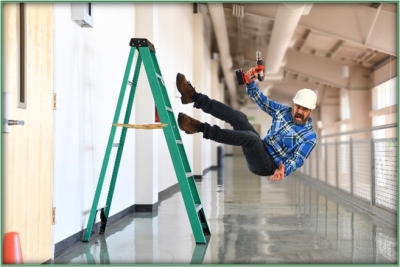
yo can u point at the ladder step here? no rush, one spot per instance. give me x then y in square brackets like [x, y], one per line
[176, 148]
[198, 207]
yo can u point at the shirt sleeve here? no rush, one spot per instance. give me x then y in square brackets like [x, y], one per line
[300, 155]
[266, 104]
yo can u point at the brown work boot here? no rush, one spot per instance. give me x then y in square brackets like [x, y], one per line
[185, 88]
[188, 124]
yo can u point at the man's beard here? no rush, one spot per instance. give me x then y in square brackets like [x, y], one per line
[302, 121]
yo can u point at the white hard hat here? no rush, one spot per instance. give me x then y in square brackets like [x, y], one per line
[306, 98]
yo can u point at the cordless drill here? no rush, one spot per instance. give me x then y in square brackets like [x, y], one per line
[244, 78]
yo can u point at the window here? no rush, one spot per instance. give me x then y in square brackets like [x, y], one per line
[344, 105]
[22, 74]
[343, 129]
[384, 95]
[378, 121]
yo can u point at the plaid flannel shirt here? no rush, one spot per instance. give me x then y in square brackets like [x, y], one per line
[286, 141]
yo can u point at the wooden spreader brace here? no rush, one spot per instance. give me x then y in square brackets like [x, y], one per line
[142, 126]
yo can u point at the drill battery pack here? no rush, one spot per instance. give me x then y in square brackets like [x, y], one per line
[240, 76]
[258, 71]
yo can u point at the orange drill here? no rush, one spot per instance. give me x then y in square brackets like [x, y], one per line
[258, 71]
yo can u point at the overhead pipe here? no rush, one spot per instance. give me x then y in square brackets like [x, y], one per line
[218, 20]
[286, 21]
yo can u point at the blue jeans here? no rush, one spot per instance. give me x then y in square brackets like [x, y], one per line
[259, 161]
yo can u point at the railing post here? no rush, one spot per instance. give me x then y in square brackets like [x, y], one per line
[306, 168]
[317, 163]
[351, 167]
[337, 163]
[372, 173]
[326, 162]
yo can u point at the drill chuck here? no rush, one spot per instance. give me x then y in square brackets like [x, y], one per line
[260, 75]
[259, 58]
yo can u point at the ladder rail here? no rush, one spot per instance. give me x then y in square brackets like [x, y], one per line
[123, 135]
[109, 147]
[190, 195]
[177, 154]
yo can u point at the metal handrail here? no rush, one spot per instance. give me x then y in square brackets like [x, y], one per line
[362, 130]
[330, 174]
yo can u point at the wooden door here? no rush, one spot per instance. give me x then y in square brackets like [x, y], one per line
[28, 149]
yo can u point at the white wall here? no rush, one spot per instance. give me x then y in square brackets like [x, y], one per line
[88, 69]
[174, 50]
[89, 65]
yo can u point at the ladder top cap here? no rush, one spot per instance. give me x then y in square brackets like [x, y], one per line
[141, 42]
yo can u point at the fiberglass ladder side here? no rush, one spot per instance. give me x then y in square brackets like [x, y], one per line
[176, 148]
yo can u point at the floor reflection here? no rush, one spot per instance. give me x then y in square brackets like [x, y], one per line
[251, 220]
[103, 253]
[199, 252]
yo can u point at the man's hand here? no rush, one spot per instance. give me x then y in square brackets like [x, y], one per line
[279, 173]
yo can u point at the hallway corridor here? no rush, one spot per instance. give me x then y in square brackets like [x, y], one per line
[252, 220]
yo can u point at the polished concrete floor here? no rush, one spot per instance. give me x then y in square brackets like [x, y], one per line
[252, 220]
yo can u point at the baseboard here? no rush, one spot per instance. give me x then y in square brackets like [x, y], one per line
[63, 245]
[146, 207]
[209, 169]
[167, 193]
[199, 178]
[68, 242]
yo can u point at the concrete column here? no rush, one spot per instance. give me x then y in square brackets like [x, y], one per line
[360, 106]
[316, 116]
[330, 116]
[198, 82]
[359, 92]
[146, 142]
[228, 149]
[215, 95]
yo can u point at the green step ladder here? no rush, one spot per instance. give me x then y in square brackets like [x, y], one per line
[194, 208]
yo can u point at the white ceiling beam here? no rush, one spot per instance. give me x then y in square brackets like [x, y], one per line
[219, 24]
[327, 71]
[373, 24]
[286, 20]
[349, 22]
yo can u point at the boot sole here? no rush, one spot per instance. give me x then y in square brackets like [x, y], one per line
[183, 100]
[180, 124]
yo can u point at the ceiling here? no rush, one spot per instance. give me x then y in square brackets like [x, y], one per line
[320, 46]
